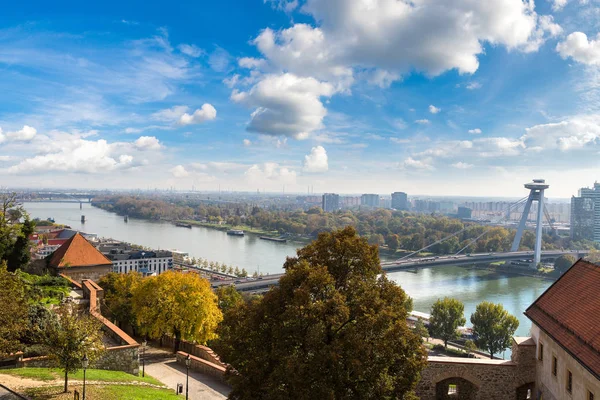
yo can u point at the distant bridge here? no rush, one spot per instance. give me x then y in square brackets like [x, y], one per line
[263, 283]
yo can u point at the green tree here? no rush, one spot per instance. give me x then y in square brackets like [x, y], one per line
[228, 297]
[564, 262]
[13, 311]
[335, 328]
[493, 327]
[178, 304]
[70, 337]
[421, 329]
[118, 295]
[392, 241]
[470, 347]
[446, 317]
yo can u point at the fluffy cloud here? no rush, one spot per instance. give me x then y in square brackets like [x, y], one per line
[179, 171]
[579, 48]
[433, 109]
[247, 143]
[219, 167]
[475, 131]
[474, 85]
[147, 143]
[422, 122]
[573, 133]
[558, 5]
[316, 161]
[24, 135]
[462, 165]
[285, 104]
[170, 114]
[269, 173]
[206, 113]
[423, 165]
[190, 50]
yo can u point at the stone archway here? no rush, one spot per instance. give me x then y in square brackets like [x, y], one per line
[455, 388]
[525, 392]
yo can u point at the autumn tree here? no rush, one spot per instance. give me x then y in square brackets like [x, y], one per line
[118, 295]
[14, 236]
[229, 298]
[70, 337]
[178, 304]
[335, 327]
[493, 327]
[13, 311]
[564, 262]
[446, 317]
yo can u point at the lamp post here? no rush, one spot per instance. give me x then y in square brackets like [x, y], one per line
[144, 343]
[84, 363]
[188, 362]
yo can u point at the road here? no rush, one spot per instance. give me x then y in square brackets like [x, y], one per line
[161, 364]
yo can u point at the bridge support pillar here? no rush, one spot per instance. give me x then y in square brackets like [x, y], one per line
[536, 193]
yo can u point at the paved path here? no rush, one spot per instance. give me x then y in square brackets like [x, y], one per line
[6, 395]
[162, 365]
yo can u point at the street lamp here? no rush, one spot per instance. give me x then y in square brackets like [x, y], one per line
[144, 343]
[188, 362]
[84, 363]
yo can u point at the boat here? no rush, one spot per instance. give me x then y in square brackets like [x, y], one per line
[182, 225]
[235, 232]
[272, 239]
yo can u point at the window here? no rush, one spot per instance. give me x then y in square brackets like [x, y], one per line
[541, 352]
[452, 390]
[554, 366]
[569, 381]
[590, 396]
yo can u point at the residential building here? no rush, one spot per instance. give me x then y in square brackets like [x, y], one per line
[126, 258]
[399, 201]
[179, 257]
[331, 202]
[349, 201]
[585, 214]
[79, 259]
[370, 200]
[464, 212]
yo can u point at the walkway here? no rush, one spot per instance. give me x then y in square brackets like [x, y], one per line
[6, 395]
[161, 364]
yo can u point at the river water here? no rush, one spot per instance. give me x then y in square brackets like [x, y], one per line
[425, 286]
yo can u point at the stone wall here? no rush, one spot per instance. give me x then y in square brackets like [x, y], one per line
[203, 366]
[120, 358]
[197, 350]
[94, 272]
[481, 379]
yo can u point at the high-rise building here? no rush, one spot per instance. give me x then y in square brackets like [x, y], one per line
[331, 202]
[399, 201]
[371, 200]
[464, 212]
[585, 214]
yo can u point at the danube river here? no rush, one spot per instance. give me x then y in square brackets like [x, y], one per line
[471, 286]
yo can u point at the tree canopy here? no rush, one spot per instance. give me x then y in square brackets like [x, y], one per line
[14, 236]
[118, 296]
[13, 311]
[446, 316]
[178, 304]
[334, 328]
[564, 262]
[493, 327]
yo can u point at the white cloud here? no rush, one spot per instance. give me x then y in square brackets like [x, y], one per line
[206, 113]
[25, 134]
[399, 140]
[462, 165]
[474, 85]
[573, 133]
[190, 50]
[219, 60]
[578, 47]
[283, 5]
[232, 81]
[423, 165]
[316, 161]
[558, 5]
[247, 143]
[285, 105]
[219, 167]
[269, 173]
[433, 109]
[147, 143]
[170, 114]
[179, 171]
[475, 131]
[132, 130]
[2, 137]
[423, 122]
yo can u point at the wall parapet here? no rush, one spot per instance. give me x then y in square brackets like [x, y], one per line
[203, 366]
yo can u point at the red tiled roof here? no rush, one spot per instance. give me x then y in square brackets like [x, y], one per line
[77, 252]
[569, 312]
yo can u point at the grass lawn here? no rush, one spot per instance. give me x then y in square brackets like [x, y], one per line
[49, 374]
[98, 392]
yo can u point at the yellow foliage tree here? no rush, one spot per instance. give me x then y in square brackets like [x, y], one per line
[178, 304]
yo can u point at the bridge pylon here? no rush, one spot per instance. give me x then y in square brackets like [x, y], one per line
[536, 193]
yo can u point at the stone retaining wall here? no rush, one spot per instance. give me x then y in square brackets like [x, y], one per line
[202, 366]
[120, 358]
[197, 350]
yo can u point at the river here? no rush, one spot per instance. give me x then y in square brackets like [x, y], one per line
[425, 286]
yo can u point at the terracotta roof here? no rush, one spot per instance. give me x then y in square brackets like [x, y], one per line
[77, 252]
[569, 312]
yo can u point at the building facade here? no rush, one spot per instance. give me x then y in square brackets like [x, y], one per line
[331, 202]
[399, 201]
[369, 200]
[585, 214]
[126, 259]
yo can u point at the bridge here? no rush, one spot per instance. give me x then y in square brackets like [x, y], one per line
[524, 257]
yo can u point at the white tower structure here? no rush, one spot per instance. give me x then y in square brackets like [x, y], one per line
[536, 193]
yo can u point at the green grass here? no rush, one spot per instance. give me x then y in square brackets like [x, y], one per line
[49, 374]
[99, 392]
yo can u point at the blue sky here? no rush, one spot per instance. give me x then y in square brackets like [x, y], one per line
[456, 97]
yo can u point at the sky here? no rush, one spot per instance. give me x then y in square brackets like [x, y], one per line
[438, 97]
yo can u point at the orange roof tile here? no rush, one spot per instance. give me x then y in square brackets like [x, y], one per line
[569, 312]
[77, 252]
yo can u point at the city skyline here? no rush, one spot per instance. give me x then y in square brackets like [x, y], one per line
[478, 99]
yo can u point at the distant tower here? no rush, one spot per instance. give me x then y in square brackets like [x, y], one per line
[536, 193]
